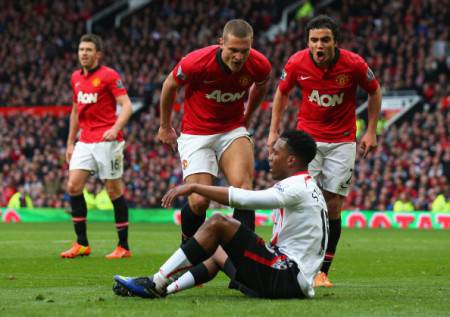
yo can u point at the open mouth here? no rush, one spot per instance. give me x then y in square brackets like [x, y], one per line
[320, 56]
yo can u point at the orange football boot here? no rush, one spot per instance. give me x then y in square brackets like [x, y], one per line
[321, 280]
[76, 250]
[119, 253]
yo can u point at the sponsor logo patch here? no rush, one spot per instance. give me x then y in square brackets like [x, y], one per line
[370, 74]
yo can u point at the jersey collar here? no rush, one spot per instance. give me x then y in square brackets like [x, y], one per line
[222, 65]
[337, 53]
[92, 70]
[305, 172]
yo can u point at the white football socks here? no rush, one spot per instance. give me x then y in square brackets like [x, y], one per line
[175, 266]
[184, 282]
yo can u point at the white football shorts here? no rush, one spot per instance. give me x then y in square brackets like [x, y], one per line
[333, 165]
[202, 153]
[104, 158]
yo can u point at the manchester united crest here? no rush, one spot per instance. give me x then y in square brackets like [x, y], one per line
[96, 82]
[343, 79]
[184, 164]
[244, 80]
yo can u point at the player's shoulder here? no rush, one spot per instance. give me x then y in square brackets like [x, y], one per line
[349, 57]
[76, 74]
[258, 56]
[107, 71]
[299, 56]
[202, 53]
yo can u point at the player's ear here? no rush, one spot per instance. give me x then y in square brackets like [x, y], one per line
[291, 160]
[221, 41]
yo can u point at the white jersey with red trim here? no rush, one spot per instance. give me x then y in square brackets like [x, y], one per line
[300, 228]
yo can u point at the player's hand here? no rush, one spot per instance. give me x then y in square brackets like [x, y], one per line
[169, 197]
[69, 152]
[110, 135]
[368, 143]
[273, 137]
[168, 136]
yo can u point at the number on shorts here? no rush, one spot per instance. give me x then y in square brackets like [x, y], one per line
[115, 164]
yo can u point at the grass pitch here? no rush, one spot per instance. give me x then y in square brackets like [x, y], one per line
[376, 273]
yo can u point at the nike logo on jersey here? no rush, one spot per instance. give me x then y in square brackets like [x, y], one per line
[304, 77]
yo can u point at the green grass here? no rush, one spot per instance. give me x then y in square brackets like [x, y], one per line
[376, 273]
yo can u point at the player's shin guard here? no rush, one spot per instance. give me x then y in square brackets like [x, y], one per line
[79, 212]
[190, 222]
[121, 218]
[335, 234]
[246, 217]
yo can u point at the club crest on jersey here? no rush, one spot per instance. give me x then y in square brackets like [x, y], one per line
[219, 96]
[326, 100]
[343, 79]
[184, 164]
[180, 73]
[244, 80]
[86, 98]
[96, 82]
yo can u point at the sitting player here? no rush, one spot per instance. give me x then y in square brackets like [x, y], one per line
[283, 268]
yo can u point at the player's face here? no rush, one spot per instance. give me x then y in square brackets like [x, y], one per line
[322, 45]
[235, 51]
[88, 55]
[279, 160]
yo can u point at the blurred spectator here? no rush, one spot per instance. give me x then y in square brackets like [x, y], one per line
[403, 203]
[21, 199]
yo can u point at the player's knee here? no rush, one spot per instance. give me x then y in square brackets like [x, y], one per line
[246, 183]
[216, 222]
[114, 189]
[334, 204]
[198, 204]
[74, 188]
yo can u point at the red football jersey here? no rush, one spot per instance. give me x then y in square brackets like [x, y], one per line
[327, 109]
[95, 96]
[214, 96]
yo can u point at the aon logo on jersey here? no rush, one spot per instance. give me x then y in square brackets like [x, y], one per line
[326, 100]
[86, 98]
[219, 96]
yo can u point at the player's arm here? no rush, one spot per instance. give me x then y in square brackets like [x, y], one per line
[256, 95]
[369, 140]
[125, 103]
[73, 129]
[166, 132]
[235, 197]
[280, 101]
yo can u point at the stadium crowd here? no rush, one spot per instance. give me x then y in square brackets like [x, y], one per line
[403, 41]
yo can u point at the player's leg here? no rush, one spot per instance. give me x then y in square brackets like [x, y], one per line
[109, 156]
[81, 164]
[199, 165]
[237, 164]
[217, 229]
[193, 213]
[200, 274]
[336, 181]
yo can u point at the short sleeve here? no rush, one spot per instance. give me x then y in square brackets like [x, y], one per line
[366, 77]
[288, 77]
[116, 85]
[264, 71]
[184, 70]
